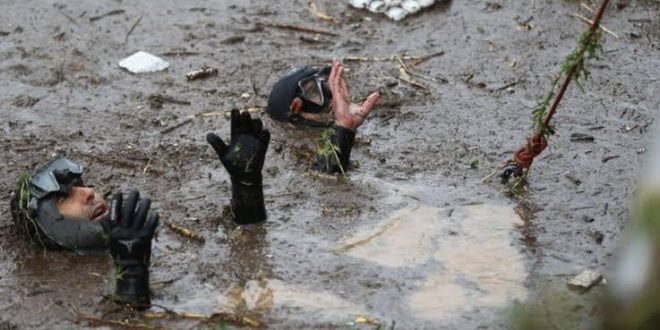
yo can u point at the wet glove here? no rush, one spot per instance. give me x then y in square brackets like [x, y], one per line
[130, 232]
[335, 149]
[244, 159]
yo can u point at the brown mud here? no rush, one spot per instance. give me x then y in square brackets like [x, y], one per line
[411, 238]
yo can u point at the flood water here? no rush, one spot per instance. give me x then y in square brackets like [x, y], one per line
[411, 238]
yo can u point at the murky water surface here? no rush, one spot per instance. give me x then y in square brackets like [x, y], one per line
[411, 238]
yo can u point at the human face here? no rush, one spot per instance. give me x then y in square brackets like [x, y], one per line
[83, 203]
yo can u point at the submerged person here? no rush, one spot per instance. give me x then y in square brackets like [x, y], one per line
[244, 158]
[320, 97]
[57, 211]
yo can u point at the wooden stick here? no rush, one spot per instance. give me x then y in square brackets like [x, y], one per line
[171, 128]
[416, 59]
[588, 21]
[298, 28]
[185, 232]
[314, 9]
[132, 28]
[589, 9]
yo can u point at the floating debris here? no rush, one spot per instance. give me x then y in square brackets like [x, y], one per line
[156, 101]
[110, 13]
[185, 232]
[25, 101]
[586, 280]
[142, 62]
[314, 9]
[201, 73]
[394, 9]
[581, 137]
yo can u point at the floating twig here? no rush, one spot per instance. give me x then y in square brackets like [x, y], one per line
[110, 13]
[185, 232]
[180, 53]
[589, 9]
[314, 9]
[600, 26]
[298, 28]
[171, 128]
[68, 17]
[511, 84]
[404, 76]
[416, 60]
[146, 167]
[132, 28]
[101, 321]
[201, 73]
[156, 101]
[233, 319]
[608, 158]
[417, 74]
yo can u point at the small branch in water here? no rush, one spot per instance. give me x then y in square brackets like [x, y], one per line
[101, 321]
[171, 128]
[185, 232]
[237, 320]
[132, 28]
[588, 21]
[416, 60]
[110, 13]
[297, 28]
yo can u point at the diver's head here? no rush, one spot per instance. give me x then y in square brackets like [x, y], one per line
[302, 96]
[56, 210]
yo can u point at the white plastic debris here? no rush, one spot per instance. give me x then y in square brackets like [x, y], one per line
[377, 7]
[396, 13]
[392, 3]
[586, 279]
[359, 3]
[142, 62]
[426, 3]
[394, 9]
[411, 6]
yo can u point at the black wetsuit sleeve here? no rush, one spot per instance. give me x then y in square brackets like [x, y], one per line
[247, 200]
[335, 150]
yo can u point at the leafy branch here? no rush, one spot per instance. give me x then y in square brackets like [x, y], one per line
[573, 68]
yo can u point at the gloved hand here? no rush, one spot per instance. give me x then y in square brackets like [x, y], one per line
[130, 234]
[244, 159]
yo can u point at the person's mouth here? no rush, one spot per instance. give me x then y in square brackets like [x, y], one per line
[100, 211]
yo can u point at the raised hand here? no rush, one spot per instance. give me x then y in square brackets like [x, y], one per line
[347, 114]
[244, 159]
[244, 156]
[130, 228]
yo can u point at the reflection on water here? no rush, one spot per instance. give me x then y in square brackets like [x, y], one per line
[405, 240]
[260, 296]
[480, 264]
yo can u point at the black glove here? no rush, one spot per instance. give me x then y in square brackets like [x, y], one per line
[244, 160]
[335, 149]
[130, 235]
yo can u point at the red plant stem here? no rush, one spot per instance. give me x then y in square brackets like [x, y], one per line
[524, 157]
[569, 77]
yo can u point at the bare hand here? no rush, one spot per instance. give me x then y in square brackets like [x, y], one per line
[347, 114]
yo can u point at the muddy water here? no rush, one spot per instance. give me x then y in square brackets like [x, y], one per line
[419, 158]
[474, 246]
